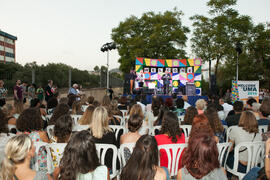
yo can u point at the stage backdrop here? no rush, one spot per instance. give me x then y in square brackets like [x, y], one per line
[183, 71]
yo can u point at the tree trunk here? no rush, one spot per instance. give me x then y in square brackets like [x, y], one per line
[209, 71]
[216, 68]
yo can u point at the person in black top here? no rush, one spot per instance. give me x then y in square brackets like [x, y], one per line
[48, 91]
[132, 77]
[233, 120]
[110, 91]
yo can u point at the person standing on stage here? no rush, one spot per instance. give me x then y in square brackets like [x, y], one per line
[166, 81]
[48, 91]
[132, 77]
[140, 78]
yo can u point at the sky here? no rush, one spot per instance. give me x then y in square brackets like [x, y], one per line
[73, 31]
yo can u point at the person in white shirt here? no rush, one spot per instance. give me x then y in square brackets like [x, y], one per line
[226, 107]
[186, 104]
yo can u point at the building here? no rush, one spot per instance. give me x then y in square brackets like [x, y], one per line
[7, 47]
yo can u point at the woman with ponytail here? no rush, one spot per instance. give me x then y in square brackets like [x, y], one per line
[143, 163]
[16, 164]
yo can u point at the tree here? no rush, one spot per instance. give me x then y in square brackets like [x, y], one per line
[96, 69]
[214, 37]
[160, 35]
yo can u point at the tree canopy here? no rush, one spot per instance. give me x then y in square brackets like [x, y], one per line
[153, 35]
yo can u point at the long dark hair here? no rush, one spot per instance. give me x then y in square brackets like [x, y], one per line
[30, 120]
[201, 155]
[63, 128]
[80, 156]
[143, 160]
[214, 121]
[170, 126]
[191, 112]
[61, 109]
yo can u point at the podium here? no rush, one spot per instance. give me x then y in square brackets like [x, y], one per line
[190, 89]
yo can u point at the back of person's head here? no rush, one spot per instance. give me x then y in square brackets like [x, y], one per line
[63, 128]
[123, 100]
[256, 107]
[34, 102]
[52, 103]
[3, 122]
[99, 124]
[71, 99]
[63, 100]
[87, 116]
[16, 151]
[238, 106]
[80, 156]
[170, 126]
[143, 160]
[200, 104]
[248, 122]
[76, 107]
[134, 123]
[90, 99]
[191, 112]
[250, 101]
[155, 106]
[114, 104]
[61, 109]
[30, 120]
[214, 121]
[169, 102]
[265, 107]
[106, 101]
[180, 103]
[96, 103]
[136, 109]
[201, 155]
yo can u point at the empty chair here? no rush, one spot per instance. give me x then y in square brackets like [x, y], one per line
[255, 156]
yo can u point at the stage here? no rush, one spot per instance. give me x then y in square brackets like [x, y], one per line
[191, 99]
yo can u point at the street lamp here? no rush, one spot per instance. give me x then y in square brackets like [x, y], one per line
[238, 49]
[107, 47]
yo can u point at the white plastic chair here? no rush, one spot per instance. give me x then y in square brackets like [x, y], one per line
[130, 147]
[263, 128]
[154, 128]
[55, 153]
[50, 111]
[255, 152]
[228, 131]
[75, 118]
[117, 130]
[11, 126]
[122, 121]
[50, 131]
[101, 152]
[223, 152]
[144, 130]
[84, 107]
[173, 152]
[38, 145]
[225, 127]
[79, 127]
[181, 118]
[186, 129]
[48, 117]
[124, 112]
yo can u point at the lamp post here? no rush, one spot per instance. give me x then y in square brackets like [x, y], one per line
[238, 49]
[107, 47]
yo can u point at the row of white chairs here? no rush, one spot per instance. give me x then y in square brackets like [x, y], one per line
[173, 151]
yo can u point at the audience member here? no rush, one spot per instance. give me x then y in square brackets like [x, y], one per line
[143, 163]
[169, 104]
[249, 104]
[16, 165]
[4, 134]
[264, 113]
[31, 123]
[123, 103]
[186, 104]
[159, 119]
[200, 105]
[80, 159]
[18, 97]
[191, 112]
[52, 103]
[49, 91]
[62, 129]
[226, 107]
[180, 107]
[256, 110]
[61, 109]
[200, 160]
[90, 100]
[170, 133]
[77, 108]
[215, 123]
[63, 100]
[152, 115]
[233, 120]
[71, 100]
[10, 111]
[87, 116]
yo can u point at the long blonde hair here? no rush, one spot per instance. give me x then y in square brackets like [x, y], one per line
[16, 151]
[87, 116]
[136, 109]
[99, 124]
